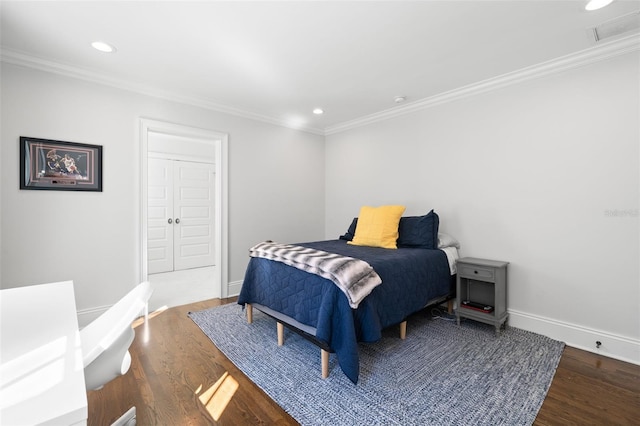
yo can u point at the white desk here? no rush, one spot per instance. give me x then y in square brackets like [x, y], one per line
[41, 369]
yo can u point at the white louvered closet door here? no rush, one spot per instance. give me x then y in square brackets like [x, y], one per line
[180, 215]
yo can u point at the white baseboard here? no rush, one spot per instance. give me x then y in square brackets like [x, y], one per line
[233, 288]
[612, 345]
[86, 316]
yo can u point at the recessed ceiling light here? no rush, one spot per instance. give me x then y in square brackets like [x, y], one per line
[597, 4]
[399, 99]
[318, 111]
[103, 47]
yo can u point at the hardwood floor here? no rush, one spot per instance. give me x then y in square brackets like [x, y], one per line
[175, 369]
[590, 389]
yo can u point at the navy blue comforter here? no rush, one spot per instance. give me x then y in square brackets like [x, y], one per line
[411, 277]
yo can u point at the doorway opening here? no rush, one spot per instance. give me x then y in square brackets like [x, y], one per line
[184, 212]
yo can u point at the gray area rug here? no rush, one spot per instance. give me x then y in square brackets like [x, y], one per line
[442, 374]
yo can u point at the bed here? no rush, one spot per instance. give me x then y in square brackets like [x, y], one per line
[412, 278]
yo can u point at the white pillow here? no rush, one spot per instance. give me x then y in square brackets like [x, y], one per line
[446, 240]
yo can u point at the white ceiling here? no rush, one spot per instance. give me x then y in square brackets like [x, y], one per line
[279, 60]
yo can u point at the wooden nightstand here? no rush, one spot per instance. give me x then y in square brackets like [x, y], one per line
[481, 288]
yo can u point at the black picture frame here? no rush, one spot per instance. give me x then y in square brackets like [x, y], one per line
[60, 166]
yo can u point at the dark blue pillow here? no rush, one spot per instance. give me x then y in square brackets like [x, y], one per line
[351, 231]
[419, 231]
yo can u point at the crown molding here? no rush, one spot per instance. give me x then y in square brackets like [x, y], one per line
[600, 52]
[28, 61]
[597, 53]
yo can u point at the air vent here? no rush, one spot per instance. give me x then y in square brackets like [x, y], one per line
[622, 25]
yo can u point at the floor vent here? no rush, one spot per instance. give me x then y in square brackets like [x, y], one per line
[623, 25]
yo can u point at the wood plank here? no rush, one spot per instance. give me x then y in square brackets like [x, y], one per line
[172, 359]
[174, 363]
[590, 389]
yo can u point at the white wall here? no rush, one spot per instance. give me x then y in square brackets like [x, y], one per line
[93, 238]
[531, 174]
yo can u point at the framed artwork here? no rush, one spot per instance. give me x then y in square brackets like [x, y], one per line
[58, 165]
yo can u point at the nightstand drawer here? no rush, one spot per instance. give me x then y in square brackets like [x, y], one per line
[472, 271]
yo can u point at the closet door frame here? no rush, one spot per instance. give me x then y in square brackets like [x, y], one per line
[219, 144]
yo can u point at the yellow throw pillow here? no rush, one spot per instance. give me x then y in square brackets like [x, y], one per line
[378, 226]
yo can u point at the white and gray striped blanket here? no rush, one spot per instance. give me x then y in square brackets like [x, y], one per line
[355, 277]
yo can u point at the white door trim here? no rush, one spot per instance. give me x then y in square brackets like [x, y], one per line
[220, 142]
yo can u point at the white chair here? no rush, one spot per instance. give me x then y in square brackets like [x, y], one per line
[105, 342]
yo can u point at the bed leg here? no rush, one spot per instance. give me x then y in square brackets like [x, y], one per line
[280, 333]
[450, 306]
[324, 359]
[403, 330]
[249, 313]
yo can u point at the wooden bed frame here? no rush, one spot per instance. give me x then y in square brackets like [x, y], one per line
[324, 347]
